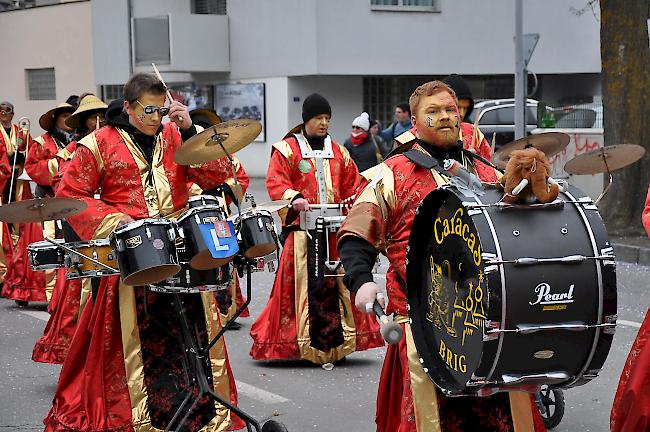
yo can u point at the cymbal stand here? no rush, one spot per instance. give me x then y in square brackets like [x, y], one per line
[197, 356]
[67, 249]
[217, 138]
[603, 155]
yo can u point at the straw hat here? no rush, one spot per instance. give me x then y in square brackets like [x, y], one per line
[88, 104]
[206, 116]
[48, 119]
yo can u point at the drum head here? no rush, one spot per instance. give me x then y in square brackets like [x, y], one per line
[204, 261]
[447, 290]
[152, 275]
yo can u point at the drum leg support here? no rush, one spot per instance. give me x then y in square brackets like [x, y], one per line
[196, 360]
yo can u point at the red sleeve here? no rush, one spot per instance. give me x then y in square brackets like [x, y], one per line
[80, 181]
[350, 181]
[5, 172]
[645, 218]
[36, 164]
[210, 174]
[278, 180]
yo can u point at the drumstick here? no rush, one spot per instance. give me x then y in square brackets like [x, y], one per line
[390, 330]
[169, 95]
[475, 133]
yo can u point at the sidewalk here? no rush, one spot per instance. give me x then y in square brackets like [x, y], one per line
[635, 250]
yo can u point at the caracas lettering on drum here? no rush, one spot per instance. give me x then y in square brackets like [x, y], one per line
[443, 228]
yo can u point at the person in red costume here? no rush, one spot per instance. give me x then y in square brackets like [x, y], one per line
[309, 317]
[380, 221]
[124, 371]
[65, 303]
[631, 408]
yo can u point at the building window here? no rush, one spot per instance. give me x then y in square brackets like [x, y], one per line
[210, 7]
[41, 84]
[406, 5]
[111, 92]
[151, 40]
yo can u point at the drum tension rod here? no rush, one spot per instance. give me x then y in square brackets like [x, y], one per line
[99, 263]
[569, 259]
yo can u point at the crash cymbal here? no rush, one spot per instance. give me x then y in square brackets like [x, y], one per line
[234, 135]
[550, 143]
[271, 206]
[599, 160]
[41, 209]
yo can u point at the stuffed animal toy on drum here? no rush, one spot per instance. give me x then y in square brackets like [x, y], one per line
[527, 176]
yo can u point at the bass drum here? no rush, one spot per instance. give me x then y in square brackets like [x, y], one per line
[505, 297]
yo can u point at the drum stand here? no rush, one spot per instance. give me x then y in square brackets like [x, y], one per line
[603, 156]
[195, 363]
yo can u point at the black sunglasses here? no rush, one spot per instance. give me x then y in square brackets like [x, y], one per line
[150, 109]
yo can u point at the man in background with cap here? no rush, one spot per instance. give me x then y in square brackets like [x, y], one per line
[303, 318]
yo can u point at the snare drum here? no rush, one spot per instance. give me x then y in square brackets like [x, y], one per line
[43, 255]
[509, 296]
[257, 234]
[195, 245]
[80, 267]
[146, 251]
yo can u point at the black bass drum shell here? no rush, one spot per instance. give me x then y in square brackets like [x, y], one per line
[454, 294]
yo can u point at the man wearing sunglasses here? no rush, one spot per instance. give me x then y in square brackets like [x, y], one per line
[139, 383]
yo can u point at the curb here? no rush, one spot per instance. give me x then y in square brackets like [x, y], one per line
[632, 254]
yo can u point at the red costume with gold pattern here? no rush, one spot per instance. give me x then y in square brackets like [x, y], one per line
[631, 408]
[407, 399]
[42, 165]
[123, 371]
[297, 322]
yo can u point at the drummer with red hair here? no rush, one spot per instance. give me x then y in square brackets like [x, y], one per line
[380, 221]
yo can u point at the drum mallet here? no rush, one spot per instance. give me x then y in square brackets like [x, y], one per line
[390, 330]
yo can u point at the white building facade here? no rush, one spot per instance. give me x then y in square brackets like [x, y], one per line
[359, 54]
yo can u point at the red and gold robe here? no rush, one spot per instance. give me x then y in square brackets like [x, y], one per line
[123, 372]
[21, 282]
[407, 399]
[631, 408]
[8, 144]
[42, 165]
[284, 328]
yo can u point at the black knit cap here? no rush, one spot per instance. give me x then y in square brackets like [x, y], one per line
[315, 105]
[462, 90]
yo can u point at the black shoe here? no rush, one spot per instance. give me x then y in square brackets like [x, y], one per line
[234, 326]
[340, 362]
[22, 303]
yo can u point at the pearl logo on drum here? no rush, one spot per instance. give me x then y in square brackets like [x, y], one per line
[545, 297]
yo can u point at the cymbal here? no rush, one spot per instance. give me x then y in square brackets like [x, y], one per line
[550, 143]
[233, 135]
[271, 206]
[605, 158]
[41, 209]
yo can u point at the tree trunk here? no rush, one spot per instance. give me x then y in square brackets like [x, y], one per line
[625, 55]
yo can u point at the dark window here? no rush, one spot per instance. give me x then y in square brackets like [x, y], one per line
[210, 7]
[41, 84]
[151, 40]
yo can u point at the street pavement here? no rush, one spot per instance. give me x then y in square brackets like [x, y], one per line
[304, 397]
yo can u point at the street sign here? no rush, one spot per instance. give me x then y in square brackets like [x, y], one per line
[530, 42]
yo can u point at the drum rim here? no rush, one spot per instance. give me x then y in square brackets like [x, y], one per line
[248, 214]
[141, 222]
[193, 210]
[33, 246]
[197, 197]
[89, 243]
